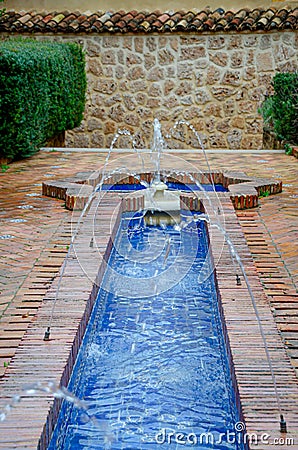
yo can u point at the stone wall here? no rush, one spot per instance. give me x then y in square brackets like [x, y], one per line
[216, 82]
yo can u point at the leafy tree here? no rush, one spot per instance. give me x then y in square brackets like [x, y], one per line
[280, 110]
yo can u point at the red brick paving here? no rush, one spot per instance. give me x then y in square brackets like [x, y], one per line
[253, 376]
[278, 283]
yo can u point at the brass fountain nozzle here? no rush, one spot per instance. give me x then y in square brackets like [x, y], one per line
[283, 424]
[47, 334]
[238, 280]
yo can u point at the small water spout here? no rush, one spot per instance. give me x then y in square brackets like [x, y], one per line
[238, 280]
[283, 424]
[159, 188]
[47, 334]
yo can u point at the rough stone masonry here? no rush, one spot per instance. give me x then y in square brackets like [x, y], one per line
[216, 82]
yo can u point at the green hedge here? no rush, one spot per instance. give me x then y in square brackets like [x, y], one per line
[42, 93]
[2, 11]
[280, 110]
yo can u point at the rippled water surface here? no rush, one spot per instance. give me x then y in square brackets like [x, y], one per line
[152, 363]
[190, 187]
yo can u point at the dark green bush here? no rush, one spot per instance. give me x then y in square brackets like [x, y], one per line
[2, 11]
[280, 110]
[42, 93]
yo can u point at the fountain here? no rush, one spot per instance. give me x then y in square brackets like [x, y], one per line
[159, 201]
[167, 238]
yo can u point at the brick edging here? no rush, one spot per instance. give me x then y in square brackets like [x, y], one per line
[295, 152]
[244, 190]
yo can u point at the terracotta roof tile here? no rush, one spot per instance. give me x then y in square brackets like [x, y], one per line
[209, 23]
[96, 26]
[128, 17]
[109, 26]
[219, 26]
[276, 21]
[144, 26]
[36, 18]
[69, 18]
[163, 18]
[290, 22]
[169, 27]
[294, 13]
[196, 25]
[216, 16]
[234, 24]
[242, 13]
[247, 24]
[46, 19]
[115, 18]
[58, 18]
[106, 16]
[25, 18]
[202, 16]
[155, 21]
[140, 16]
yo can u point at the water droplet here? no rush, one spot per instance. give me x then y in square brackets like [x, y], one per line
[17, 220]
[25, 207]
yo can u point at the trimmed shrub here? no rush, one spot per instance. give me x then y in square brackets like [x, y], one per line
[280, 110]
[2, 11]
[42, 93]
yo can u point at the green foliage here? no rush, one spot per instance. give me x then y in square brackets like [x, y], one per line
[267, 112]
[281, 109]
[2, 11]
[4, 167]
[42, 93]
[263, 194]
[288, 149]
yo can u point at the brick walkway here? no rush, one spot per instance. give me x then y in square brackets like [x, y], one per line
[32, 251]
[271, 231]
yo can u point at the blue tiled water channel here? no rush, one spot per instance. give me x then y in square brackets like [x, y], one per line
[120, 187]
[153, 367]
